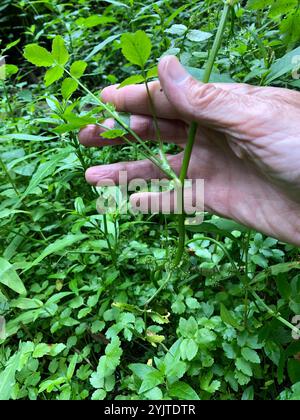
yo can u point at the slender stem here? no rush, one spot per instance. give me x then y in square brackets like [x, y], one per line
[193, 131]
[276, 315]
[163, 285]
[162, 154]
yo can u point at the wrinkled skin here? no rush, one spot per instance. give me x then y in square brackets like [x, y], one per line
[247, 147]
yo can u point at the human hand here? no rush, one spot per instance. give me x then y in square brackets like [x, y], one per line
[247, 147]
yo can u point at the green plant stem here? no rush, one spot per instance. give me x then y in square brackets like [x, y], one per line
[78, 152]
[162, 155]
[276, 315]
[193, 131]
[163, 285]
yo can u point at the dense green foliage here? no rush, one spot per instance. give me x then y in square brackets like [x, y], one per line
[73, 286]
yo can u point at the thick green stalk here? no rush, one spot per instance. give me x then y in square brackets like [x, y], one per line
[193, 130]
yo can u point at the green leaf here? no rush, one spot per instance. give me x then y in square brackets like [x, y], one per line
[38, 56]
[99, 395]
[198, 36]
[72, 366]
[57, 246]
[101, 46]
[69, 86]
[78, 69]
[136, 47]
[25, 303]
[26, 137]
[188, 349]
[2, 319]
[43, 349]
[258, 4]
[7, 70]
[113, 134]
[44, 170]
[284, 65]
[131, 80]
[276, 269]
[10, 278]
[243, 366]
[151, 380]
[293, 367]
[14, 364]
[218, 225]
[207, 385]
[248, 394]
[59, 51]
[198, 74]
[182, 391]
[250, 355]
[290, 28]
[281, 7]
[141, 370]
[53, 74]
[95, 20]
[153, 72]
[228, 318]
[177, 29]
[273, 351]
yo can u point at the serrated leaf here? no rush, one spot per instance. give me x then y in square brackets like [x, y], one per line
[38, 56]
[78, 68]
[52, 75]
[136, 47]
[59, 51]
[69, 86]
[250, 355]
[243, 366]
[99, 394]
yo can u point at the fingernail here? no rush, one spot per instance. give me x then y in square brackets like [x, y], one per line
[175, 70]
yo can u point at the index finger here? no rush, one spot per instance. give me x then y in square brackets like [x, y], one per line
[134, 99]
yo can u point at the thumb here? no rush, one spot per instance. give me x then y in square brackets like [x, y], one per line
[207, 104]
